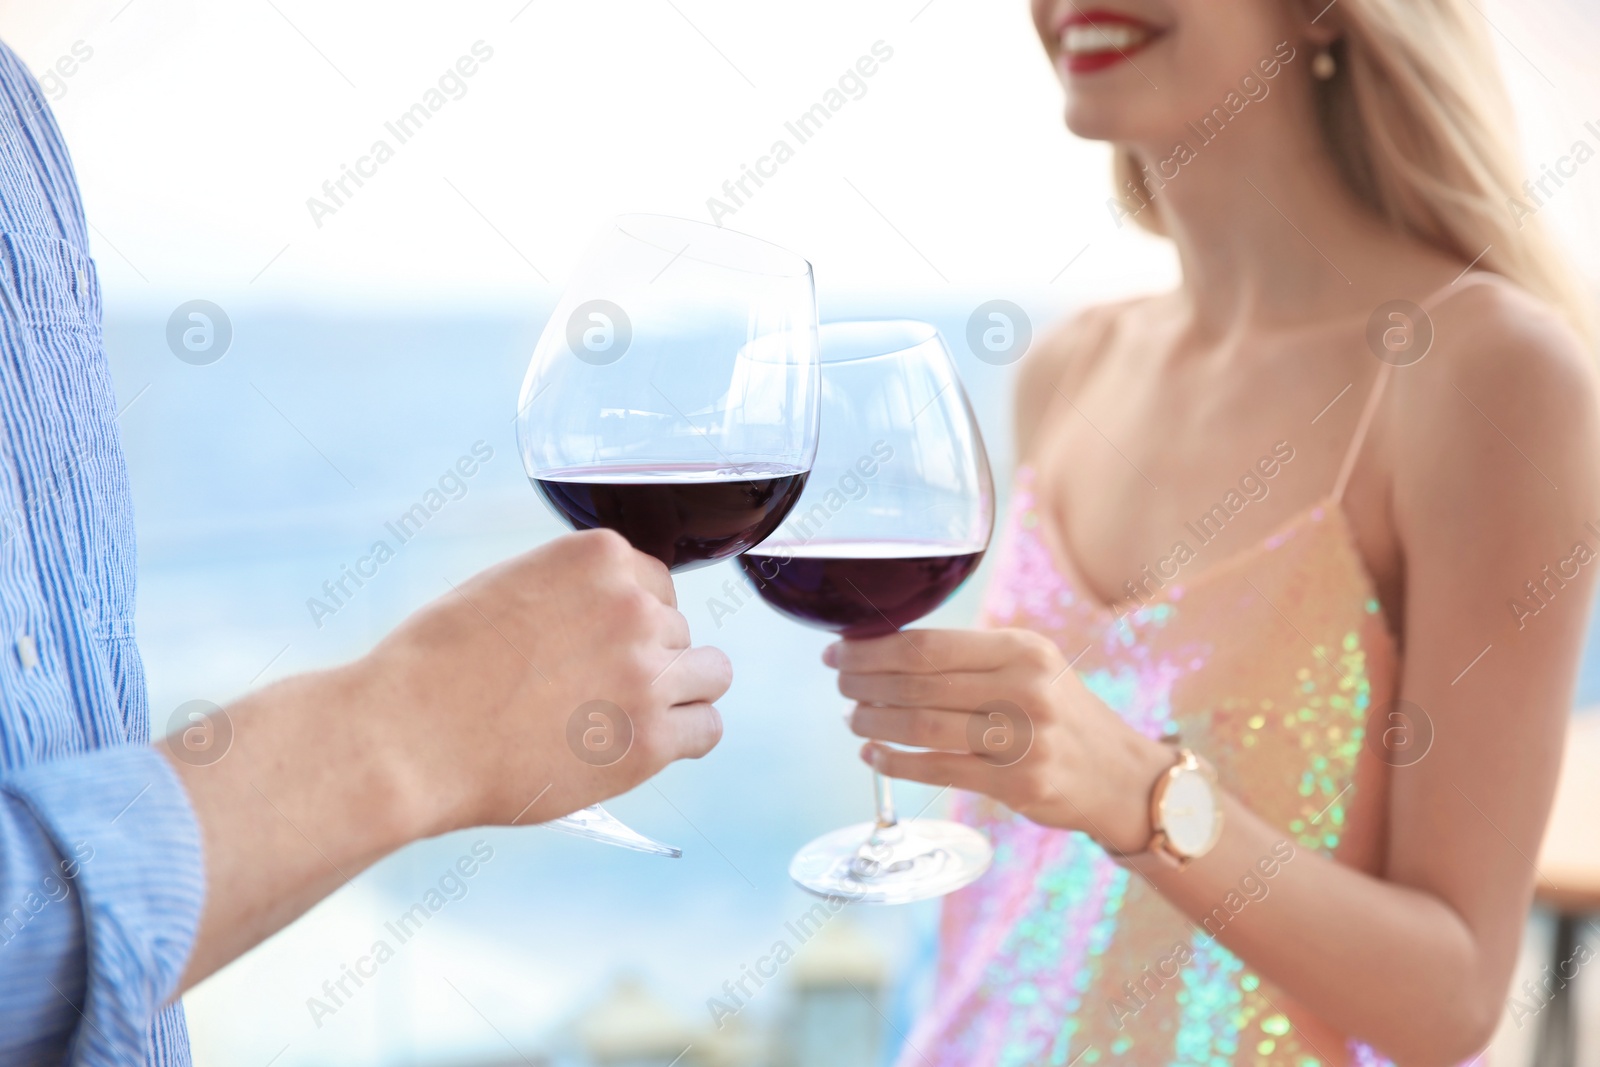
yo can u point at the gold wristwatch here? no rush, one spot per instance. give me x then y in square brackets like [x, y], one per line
[1185, 811]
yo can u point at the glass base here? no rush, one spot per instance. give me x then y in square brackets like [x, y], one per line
[869, 864]
[598, 824]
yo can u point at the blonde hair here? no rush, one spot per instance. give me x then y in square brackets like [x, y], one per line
[1420, 126]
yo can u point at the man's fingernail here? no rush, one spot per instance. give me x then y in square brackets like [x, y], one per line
[830, 655]
[869, 755]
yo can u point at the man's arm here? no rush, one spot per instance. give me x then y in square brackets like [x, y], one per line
[458, 718]
[127, 876]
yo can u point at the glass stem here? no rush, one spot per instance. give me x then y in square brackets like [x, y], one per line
[883, 795]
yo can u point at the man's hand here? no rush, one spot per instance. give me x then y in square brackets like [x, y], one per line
[545, 684]
[563, 674]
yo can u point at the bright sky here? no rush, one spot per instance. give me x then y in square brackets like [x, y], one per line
[200, 129]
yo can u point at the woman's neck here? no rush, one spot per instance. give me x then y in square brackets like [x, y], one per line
[1266, 230]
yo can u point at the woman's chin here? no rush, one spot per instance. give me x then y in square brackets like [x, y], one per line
[1095, 125]
[1098, 120]
[1090, 127]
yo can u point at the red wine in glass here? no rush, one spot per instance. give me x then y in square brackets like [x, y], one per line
[673, 397]
[683, 515]
[896, 515]
[858, 589]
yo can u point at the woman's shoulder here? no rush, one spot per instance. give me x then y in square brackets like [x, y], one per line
[1513, 347]
[1061, 358]
[1507, 383]
[1069, 350]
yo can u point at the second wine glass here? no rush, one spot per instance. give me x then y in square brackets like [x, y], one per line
[896, 515]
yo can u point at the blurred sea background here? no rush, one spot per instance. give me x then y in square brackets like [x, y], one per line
[374, 346]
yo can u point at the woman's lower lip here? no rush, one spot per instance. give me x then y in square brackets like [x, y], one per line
[1098, 61]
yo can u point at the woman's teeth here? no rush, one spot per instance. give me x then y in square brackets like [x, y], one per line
[1092, 40]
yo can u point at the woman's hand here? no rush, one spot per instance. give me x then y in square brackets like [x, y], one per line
[1005, 716]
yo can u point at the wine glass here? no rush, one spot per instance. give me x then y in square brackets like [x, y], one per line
[896, 515]
[672, 397]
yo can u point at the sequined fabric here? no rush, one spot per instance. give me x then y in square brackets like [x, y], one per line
[1267, 663]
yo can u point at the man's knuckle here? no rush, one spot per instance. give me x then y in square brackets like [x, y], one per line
[635, 671]
[653, 740]
[719, 669]
[634, 610]
[608, 542]
[714, 727]
[587, 546]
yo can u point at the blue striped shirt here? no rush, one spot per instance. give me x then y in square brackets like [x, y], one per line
[100, 869]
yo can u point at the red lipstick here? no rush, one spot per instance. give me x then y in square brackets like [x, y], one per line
[1099, 38]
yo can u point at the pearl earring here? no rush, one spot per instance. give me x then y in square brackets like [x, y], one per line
[1323, 66]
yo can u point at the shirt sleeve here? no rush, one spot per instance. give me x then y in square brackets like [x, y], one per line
[101, 885]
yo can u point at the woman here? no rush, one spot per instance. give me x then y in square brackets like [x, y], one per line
[1267, 519]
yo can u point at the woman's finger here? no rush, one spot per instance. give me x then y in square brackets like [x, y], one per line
[932, 768]
[920, 727]
[940, 651]
[952, 691]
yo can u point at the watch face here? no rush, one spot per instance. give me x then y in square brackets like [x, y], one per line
[1189, 812]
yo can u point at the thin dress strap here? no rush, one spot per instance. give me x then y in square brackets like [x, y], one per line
[1386, 371]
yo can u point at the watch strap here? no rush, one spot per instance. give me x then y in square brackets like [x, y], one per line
[1159, 844]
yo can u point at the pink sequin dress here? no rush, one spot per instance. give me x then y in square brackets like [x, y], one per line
[1270, 664]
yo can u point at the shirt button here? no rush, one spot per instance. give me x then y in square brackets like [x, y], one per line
[83, 284]
[28, 652]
